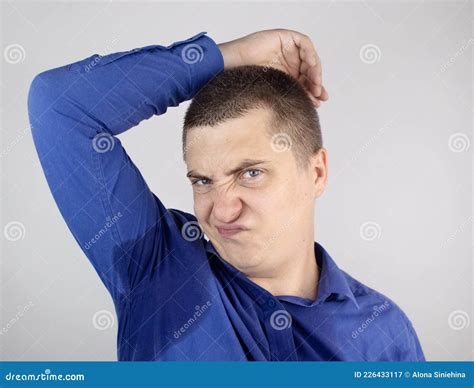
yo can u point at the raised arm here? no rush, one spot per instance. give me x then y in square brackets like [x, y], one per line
[76, 110]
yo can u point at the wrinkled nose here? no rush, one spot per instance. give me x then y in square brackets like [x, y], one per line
[227, 206]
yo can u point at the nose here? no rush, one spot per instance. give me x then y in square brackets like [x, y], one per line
[227, 205]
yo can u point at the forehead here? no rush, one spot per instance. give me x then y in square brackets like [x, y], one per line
[229, 142]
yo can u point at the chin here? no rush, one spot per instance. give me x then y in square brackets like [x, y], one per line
[244, 259]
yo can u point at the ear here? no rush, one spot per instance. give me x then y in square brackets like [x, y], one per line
[319, 168]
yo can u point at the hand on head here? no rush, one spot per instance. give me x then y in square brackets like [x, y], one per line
[286, 50]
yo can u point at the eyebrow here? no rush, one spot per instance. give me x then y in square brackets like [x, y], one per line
[244, 164]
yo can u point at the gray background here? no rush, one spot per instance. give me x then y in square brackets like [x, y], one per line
[397, 127]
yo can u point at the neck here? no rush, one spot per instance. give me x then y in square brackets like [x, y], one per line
[300, 277]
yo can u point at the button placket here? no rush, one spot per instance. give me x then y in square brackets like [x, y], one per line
[278, 322]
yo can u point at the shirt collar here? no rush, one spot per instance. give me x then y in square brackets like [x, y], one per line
[332, 280]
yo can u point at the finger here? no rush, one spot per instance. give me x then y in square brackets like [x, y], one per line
[309, 55]
[314, 75]
[307, 50]
[315, 81]
[315, 92]
[311, 73]
[307, 86]
[312, 70]
[315, 101]
[304, 80]
[324, 94]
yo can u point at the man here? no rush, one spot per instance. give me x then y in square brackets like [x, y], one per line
[260, 288]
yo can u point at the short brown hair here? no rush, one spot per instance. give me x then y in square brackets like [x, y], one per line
[236, 91]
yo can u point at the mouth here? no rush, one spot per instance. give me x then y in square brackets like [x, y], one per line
[229, 231]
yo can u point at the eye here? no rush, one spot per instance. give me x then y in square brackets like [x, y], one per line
[201, 182]
[252, 173]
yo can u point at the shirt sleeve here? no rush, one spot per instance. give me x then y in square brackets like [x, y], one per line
[414, 352]
[407, 346]
[76, 111]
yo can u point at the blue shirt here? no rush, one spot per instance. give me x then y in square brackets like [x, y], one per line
[175, 297]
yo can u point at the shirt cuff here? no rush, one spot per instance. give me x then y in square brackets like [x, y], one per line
[202, 57]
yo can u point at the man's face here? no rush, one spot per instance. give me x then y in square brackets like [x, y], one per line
[251, 198]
